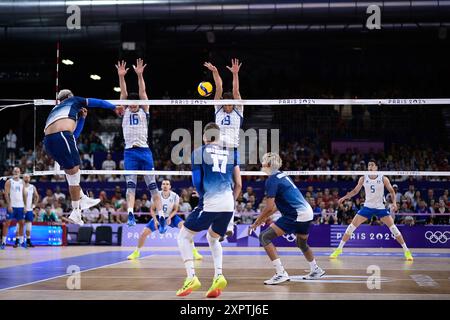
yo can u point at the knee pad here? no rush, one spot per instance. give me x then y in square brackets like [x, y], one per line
[395, 230]
[350, 229]
[150, 181]
[184, 235]
[302, 244]
[131, 184]
[210, 238]
[28, 226]
[266, 237]
[73, 179]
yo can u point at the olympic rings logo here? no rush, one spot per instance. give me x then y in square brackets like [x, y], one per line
[438, 236]
[290, 237]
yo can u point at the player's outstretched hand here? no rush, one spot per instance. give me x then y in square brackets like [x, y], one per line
[168, 221]
[139, 67]
[210, 66]
[119, 110]
[122, 68]
[235, 66]
[83, 112]
[341, 200]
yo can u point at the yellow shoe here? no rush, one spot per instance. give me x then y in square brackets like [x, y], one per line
[189, 286]
[336, 253]
[197, 255]
[219, 283]
[408, 255]
[135, 255]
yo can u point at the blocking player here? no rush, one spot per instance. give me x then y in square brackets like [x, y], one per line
[137, 154]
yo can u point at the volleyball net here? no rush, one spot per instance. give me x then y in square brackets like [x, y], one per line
[287, 126]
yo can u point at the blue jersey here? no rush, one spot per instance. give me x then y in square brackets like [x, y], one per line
[212, 176]
[288, 199]
[71, 107]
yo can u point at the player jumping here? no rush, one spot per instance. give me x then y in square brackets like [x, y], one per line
[137, 154]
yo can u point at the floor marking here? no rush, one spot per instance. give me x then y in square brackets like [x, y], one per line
[424, 280]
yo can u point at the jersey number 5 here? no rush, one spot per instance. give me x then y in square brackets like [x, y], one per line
[222, 167]
[372, 188]
[134, 119]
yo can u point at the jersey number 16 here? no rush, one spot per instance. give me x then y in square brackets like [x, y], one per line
[134, 119]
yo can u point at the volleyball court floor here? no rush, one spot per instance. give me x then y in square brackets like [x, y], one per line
[43, 273]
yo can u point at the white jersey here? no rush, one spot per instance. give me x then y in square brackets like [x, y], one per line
[169, 203]
[16, 193]
[229, 124]
[135, 128]
[374, 189]
[29, 191]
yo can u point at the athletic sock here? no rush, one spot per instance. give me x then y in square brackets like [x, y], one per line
[341, 245]
[278, 266]
[3, 239]
[76, 204]
[405, 248]
[190, 271]
[21, 239]
[313, 265]
[217, 254]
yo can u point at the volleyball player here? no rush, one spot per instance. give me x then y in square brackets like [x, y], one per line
[15, 203]
[296, 217]
[170, 204]
[217, 179]
[31, 200]
[374, 185]
[137, 154]
[63, 124]
[229, 118]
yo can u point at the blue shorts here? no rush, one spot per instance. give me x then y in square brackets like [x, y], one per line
[29, 216]
[62, 147]
[16, 214]
[291, 226]
[200, 220]
[162, 224]
[138, 159]
[368, 212]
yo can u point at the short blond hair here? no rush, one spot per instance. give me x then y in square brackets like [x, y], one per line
[273, 160]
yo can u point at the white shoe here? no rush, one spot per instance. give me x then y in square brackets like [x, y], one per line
[315, 274]
[75, 216]
[278, 278]
[86, 202]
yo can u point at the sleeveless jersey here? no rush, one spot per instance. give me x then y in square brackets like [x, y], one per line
[229, 124]
[135, 128]
[16, 193]
[374, 189]
[30, 193]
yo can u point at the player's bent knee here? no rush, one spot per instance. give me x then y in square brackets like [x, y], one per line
[395, 230]
[210, 238]
[302, 244]
[131, 187]
[350, 229]
[266, 237]
[73, 179]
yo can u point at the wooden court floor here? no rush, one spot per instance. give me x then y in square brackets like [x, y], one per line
[42, 273]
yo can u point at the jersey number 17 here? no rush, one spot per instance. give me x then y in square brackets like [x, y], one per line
[219, 163]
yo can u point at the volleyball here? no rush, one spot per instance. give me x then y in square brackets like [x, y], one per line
[205, 89]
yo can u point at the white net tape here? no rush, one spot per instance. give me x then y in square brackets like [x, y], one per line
[254, 173]
[295, 101]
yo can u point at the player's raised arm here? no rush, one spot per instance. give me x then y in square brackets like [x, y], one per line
[391, 190]
[80, 123]
[235, 67]
[139, 69]
[237, 182]
[121, 72]
[217, 80]
[354, 192]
